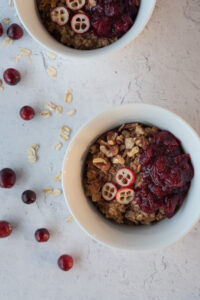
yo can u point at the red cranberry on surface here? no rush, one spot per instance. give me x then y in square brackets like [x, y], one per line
[11, 76]
[65, 262]
[15, 32]
[1, 30]
[27, 113]
[28, 197]
[5, 229]
[42, 235]
[7, 178]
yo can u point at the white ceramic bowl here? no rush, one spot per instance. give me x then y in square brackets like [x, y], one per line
[128, 237]
[29, 16]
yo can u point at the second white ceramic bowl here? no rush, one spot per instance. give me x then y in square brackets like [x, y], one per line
[129, 237]
[28, 14]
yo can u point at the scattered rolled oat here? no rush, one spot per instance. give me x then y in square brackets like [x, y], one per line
[32, 155]
[52, 71]
[47, 191]
[10, 3]
[1, 85]
[68, 96]
[6, 20]
[71, 112]
[7, 41]
[56, 193]
[45, 113]
[50, 191]
[51, 55]
[59, 109]
[26, 52]
[50, 105]
[64, 133]
[69, 219]
[58, 146]
[58, 177]
[17, 57]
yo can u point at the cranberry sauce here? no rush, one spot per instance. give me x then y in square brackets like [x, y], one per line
[167, 172]
[113, 18]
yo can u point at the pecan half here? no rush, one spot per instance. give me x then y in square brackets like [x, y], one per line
[102, 164]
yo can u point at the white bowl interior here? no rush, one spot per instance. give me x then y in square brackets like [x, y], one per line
[127, 237]
[27, 11]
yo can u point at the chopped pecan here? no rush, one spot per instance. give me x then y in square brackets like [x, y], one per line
[118, 160]
[130, 126]
[126, 133]
[120, 139]
[111, 137]
[132, 152]
[142, 142]
[129, 143]
[139, 130]
[109, 150]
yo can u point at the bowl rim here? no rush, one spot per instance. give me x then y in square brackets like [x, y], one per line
[60, 49]
[154, 247]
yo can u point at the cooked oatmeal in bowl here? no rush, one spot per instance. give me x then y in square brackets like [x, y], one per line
[87, 24]
[137, 174]
[166, 140]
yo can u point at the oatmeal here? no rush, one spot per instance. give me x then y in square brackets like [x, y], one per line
[88, 24]
[136, 174]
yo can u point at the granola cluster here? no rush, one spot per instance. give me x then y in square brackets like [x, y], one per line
[116, 149]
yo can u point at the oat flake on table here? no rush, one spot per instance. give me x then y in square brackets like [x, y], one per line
[64, 133]
[71, 112]
[52, 72]
[32, 153]
[58, 177]
[58, 146]
[69, 219]
[45, 113]
[68, 96]
[7, 41]
[6, 20]
[51, 55]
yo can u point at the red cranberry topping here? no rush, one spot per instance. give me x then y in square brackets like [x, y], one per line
[15, 32]
[27, 113]
[5, 229]
[65, 262]
[167, 172]
[42, 235]
[28, 197]
[113, 18]
[7, 178]
[11, 76]
[1, 30]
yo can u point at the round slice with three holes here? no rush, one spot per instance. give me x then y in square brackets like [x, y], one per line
[109, 191]
[80, 23]
[60, 15]
[75, 4]
[125, 177]
[125, 195]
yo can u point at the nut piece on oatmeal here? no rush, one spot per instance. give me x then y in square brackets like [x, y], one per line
[129, 143]
[118, 160]
[109, 150]
[132, 152]
[111, 137]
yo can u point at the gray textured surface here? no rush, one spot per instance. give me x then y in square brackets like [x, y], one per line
[162, 67]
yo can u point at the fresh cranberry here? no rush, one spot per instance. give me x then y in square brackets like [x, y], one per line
[65, 262]
[27, 113]
[42, 235]
[11, 76]
[28, 197]
[1, 30]
[7, 178]
[5, 229]
[15, 32]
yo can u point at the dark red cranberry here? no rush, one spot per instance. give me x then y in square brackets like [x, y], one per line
[15, 32]
[1, 30]
[5, 229]
[7, 178]
[113, 9]
[27, 113]
[103, 26]
[28, 197]
[122, 25]
[11, 76]
[65, 262]
[42, 235]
